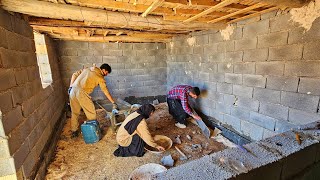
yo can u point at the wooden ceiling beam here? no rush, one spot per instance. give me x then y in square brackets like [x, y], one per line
[205, 3]
[152, 7]
[237, 12]
[286, 3]
[107, 18]
[254, 15]
[210, 10]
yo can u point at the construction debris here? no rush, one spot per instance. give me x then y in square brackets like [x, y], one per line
[188, 137]
[167, 161]
[183, 156]
[177, 140]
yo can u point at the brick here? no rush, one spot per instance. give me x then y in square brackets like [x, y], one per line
[283, 126]
[21, 154]
[302, 117]
[7, 166]
[266, 95]
[300, 35]
[217, 57]
[309, 86]
[262, 120]
[311, 51]
[232, 121]
[282, 83]
[240, 113]
[5, 20]
[224, 88]
[12, 119]
[19, 94]
[243, 91]
[254, 80]
[234, 56]
[270, 68]
[225, 67]
[307, 68]
[3, 37]
[300, 101]
[244, 68]
[233, 78]
[274, 110]
[221, 107]
[258, 28]
[281, 23]
[251, 130]
[6, 101]
[273, 39]
[7, 79]
[247, 103]
[256, 55]
[10, 58]
[288, 52]
[229, 99]
[249, 43]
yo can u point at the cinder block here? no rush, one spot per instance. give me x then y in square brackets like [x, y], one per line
[240, 113]
[309, 86]
[19, 94]
[7, 166]
[198, 50]
[243, 91]
[221, 107]
[254, 80]
[126, 46]
[4, 148]
[270, 68]
[201, 40]
[21, 154]
[229, 99]
[210, 49]
[217, 115]
[69, 52]
[6, 101]
[113, 45]
[10, 58]
[204, 76]
[225, 46]
[245, 68]
[224, 88]
[258, 28]
[252, 130]
[262, 120]
[214, 38]
[273, 39]
[256, 55]
[288, 52]
[217, 97]
[298, 101]
[95, 45]
[249, 43]
[306, 68]
[233, 78]
[247, 103]
[281, 23]
[267, 133]
[232, 121]
[302, 117]
[300, 35]
[266, 95]
[234, 56]
[282, 83]
[12, 119]
[311, 51]
[237, 33]
[5, 20]
[29, 163]
[7, 79]
[225, 67]
[274, 110]
[217, 57]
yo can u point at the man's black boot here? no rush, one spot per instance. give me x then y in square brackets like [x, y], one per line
[75, 134]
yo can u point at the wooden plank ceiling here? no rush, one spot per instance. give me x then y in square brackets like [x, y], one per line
[136, 20]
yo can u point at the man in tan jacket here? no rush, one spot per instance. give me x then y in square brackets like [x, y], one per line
[82, 84]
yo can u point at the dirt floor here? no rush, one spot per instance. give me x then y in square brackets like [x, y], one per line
[76, 160]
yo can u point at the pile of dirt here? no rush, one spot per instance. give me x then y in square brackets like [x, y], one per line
[76, 160]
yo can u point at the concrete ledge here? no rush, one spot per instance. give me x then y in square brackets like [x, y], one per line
[277, 157]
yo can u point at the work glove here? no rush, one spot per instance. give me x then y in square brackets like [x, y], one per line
[69, 90]
[115, 106]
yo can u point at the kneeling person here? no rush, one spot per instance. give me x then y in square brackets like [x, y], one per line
[133, 133]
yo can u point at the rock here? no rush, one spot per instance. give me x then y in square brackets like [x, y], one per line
[189, 137]
[177, 140]
[167, 160]
[196, 147]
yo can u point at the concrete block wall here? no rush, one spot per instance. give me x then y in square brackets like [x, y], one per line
[138, 69]
[262, 81]
[28, 112]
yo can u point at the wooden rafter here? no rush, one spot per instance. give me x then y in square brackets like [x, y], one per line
[214, 8]
[152, 7]
[254, 15]
[237, 12]
[119, 33]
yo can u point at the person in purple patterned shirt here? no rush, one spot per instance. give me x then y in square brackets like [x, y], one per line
[179, 108]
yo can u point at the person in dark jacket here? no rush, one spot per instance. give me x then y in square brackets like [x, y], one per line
[133, 133]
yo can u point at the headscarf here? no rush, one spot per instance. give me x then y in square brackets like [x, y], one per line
[144, 112]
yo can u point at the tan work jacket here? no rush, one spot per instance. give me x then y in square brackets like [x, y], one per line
[87, 79]
[124, 138]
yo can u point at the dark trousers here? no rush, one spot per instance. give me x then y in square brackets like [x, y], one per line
[136, 148]
[177, 111]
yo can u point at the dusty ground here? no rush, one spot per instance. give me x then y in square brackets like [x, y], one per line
[76, 160]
